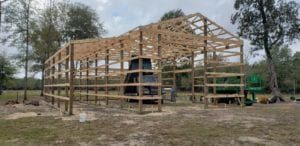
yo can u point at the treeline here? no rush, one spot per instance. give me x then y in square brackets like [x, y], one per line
[287, 66]
[18, 84]
[38, 32]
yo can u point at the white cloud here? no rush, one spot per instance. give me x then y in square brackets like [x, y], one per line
[117, 19]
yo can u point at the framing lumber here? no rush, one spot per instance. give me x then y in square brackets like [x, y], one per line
[97, 67]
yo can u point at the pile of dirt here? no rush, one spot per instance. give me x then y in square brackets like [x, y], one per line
[33, 102]
[11, 102]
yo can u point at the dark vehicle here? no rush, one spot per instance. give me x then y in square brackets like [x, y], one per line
[134, 78]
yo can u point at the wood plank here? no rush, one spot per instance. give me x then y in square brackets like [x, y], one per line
[56, 96]
[123, 96]
[224, 85]
[183, 71]
[58, 85]
[224, 95]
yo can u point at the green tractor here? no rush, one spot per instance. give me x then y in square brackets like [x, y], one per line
[253, 85]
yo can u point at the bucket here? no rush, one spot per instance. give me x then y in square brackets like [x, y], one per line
[82, 117]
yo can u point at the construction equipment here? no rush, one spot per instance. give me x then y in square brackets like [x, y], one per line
[253, 85]
[148, 77]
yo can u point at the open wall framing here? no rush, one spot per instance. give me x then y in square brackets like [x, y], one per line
[95, 69]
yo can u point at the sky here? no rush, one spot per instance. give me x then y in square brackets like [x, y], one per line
[119, 16]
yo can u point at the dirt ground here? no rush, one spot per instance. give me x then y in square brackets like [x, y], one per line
[178, 124]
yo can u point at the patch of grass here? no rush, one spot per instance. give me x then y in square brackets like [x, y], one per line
[51, 131]
[13, 94]
[27, 130]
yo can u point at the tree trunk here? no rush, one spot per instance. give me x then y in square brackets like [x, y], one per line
[273, 75]
[26, 53]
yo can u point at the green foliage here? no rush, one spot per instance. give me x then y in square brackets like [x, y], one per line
[7, 70]
[268, 24]
[16, 18]
[172, 14]
[19, 14]
[82, 22]
[45, 39]
[18, 84]
[296, 67]
[277, 21]
[286, 67]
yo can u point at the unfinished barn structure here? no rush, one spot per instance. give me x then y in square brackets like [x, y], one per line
[139, 64]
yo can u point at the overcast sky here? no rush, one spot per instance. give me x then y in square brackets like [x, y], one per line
[119, 16]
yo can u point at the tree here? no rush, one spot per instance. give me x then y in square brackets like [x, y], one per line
[7, 70]
[268, 24]
[82, 22]
[18, 16]
[45, 40]
[1, 2]
[172, 14]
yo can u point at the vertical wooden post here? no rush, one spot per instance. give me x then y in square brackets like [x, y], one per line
[87, 79]
[159, 70]
[141, 73]
[106, 73]
[205, 65]
[80, 79]
[122, 68]
[174, 77]
[215, 100]
[45, 82]
[242, 79]
[193, 76]
[96, 77]
[67, 80]
[53, 80]
[214, 68]
[72, 74]
[59, 79]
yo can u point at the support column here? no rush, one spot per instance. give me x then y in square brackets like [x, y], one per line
[53, 80]
[96, 77]
[122, 68]
[80, 79]
[87, 79]
[174, 78]
[106, 73]
[59, 79]
[205, 65]
[193, 76]
[215, 100]
[214, 69]
[141, 73]
[67, 67]
[159, 71]
[72, 75]
[242, 79]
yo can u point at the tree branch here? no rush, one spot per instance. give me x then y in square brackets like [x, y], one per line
[280, 33]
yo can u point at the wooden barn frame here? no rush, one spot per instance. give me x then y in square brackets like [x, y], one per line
[96, 68]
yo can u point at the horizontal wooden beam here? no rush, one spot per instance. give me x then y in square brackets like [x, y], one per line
[57, 96]
[123, 96]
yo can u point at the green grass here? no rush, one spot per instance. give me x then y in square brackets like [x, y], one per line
[13, 94]
[187, 126]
